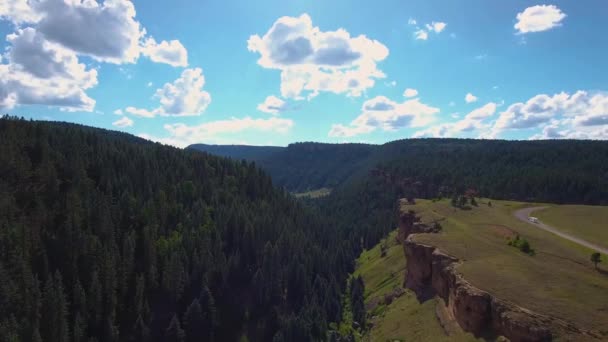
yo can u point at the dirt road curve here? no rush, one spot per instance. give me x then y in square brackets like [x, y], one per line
[523, 215]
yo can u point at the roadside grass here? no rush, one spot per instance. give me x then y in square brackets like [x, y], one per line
[318, 193]
[559, 280]
[586, 222]
[404, 319]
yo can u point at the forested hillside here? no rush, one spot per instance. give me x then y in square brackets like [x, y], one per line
[300, 167]
[107, 237]
[238, 151]
[560, 171]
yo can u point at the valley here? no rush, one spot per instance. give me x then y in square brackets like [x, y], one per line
[108, 235]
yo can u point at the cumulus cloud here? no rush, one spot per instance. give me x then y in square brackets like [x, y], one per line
[184, 97]
[273, 105]
[106, 31]
[583, 112]
[383, 113]
[221, 131]
[409, 92]
[539, 18]
[172, 52]
[18, 11]
[118, 112]
[313, 61]
[41, 64]
[45, 73]
[475, 121]
[470, 98]
[123, 122]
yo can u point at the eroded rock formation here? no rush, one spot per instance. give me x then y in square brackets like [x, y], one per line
[431, 272]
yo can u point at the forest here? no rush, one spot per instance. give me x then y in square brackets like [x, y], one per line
[108, 237]
[557, 171]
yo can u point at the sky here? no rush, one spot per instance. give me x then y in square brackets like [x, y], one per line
[270, 72]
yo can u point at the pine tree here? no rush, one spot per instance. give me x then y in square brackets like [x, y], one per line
[174, 332]
[207, 304]
[194, 322]
[140, 333]
[54, 311]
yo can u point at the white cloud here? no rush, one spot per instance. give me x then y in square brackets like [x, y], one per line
[41, 65]
[184, 97]
[383, 113]
[222, 131]
[39, 72]
[581, 112]
[18, 11]
[475, 121]
[561, 130]
[144, 113]
[411, 21]
[118, 112]
[273, 105]
[437, 27]
[470, 98]
[104, 30]
[149, 84]
[421, 35]
[313, 61]
[410, 92]
[123, 122]
[539, 18]
[483, 112]
[172, 52]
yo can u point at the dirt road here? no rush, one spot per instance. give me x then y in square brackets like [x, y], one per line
[523, 215]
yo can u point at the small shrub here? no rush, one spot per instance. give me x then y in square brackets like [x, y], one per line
[521, 244]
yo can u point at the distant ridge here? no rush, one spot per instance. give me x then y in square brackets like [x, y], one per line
[238, 151]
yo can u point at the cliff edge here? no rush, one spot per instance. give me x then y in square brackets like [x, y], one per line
[431, 272]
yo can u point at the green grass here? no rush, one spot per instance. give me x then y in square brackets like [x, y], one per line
[559, 280]
[586, 222]
[318, 193]
[405, 319]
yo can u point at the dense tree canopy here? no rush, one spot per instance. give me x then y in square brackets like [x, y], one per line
[107, 237]
[560, 171]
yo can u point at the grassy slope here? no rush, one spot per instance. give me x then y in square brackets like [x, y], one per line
[587, 222]
[559, 281]
[405, 319]
[323, 192]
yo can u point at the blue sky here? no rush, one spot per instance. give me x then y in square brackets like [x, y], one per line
[274, 72]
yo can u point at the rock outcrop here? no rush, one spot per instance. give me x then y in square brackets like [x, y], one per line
[430, 272]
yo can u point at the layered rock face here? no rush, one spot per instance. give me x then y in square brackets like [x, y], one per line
[431, 272]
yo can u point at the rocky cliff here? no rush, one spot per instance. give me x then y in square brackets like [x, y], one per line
[430, 272]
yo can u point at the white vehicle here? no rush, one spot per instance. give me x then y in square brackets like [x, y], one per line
[533, 219]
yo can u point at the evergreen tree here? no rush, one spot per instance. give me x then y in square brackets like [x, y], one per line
[194, 323]
[174, 332]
